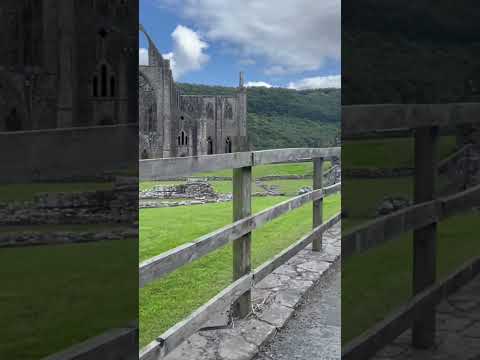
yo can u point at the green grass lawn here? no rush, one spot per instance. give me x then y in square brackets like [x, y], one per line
[375, 283]
[170, 299]
[389, 153]
[52, 298]
[361, 197]
[26, 192]
[303, 168]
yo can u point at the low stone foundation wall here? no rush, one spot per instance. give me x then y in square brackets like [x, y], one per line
[119, 205]
[377, 172]
[65, 237]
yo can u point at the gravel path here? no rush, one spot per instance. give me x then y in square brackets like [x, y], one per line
[314, 330]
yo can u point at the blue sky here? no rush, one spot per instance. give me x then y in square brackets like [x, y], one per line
[282, 43]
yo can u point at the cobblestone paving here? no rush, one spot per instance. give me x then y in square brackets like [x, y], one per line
[274, 300]
[458, 330]
[314, 330]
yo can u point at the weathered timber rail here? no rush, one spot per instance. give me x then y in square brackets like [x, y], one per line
[237, 294]
[423, 121]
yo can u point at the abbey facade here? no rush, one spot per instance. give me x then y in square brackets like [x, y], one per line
[67, 63]
[176, 125]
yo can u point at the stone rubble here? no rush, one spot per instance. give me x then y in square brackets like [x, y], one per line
[116, 206]
[189, 190]
[391, 204]
[65, 237]
[304, 190]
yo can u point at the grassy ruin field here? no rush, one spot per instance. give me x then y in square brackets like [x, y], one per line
[170, 299]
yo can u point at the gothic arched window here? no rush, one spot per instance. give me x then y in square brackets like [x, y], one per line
[104, 82]
[228, 145]
[12, 121]
[209, 146]
[104, 79]
[209, 111]
[228, 110]
[95, 86]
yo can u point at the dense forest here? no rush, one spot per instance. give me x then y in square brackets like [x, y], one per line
[279, 118]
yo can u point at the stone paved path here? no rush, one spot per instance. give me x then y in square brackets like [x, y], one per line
[314, 330]
[458, 334]
[275, 300]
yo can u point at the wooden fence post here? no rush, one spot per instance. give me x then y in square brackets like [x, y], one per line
[424, 239]
[242, 207]
[317, 204]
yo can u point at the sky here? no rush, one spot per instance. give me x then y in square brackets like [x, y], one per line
[281, 43]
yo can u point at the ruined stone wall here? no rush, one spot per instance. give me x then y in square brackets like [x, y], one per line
[186, 125]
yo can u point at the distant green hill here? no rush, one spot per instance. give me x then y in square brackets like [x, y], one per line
[285, 118]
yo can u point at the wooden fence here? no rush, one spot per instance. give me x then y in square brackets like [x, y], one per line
[421, 218]
[237, 294]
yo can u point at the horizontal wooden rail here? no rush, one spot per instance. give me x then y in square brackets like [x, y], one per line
[167, 168]
[119, 343]
[159, 169]
[451, 160]
[367, 344]
[174, 336]
[169, 261]
[359, 119]
[378, 231]
[289, 155]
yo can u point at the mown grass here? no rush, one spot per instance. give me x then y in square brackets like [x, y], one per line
[389, 153]
[170, 299]
[26, 192]
[302, 168]
[376, 283]
[53, 297]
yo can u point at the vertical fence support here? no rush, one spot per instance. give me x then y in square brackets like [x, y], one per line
[424, 239]
[317, 204]
[242, 207]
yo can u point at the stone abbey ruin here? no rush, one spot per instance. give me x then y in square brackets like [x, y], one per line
[175, 125]
[67, 64]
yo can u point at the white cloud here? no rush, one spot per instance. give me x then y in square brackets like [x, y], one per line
[143, 56]
[316, 82]
[293, 36]
[258, 84]
[188, 52]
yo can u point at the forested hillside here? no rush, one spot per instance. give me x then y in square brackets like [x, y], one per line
[285, 118]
